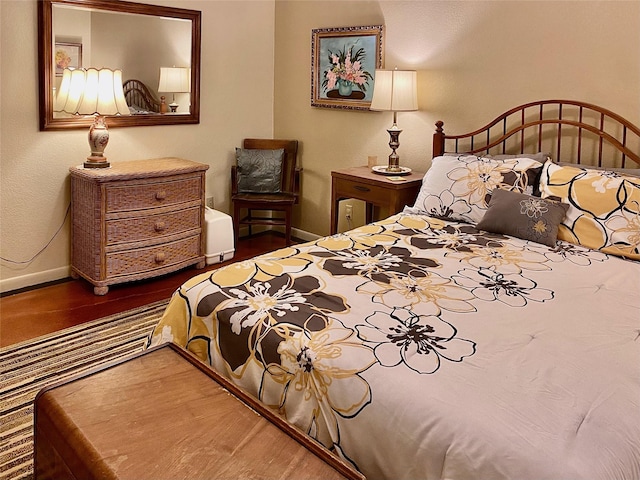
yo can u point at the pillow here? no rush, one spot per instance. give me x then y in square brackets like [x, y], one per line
[459, 188]
[259, 171]
[523, 216]
[633, 172]
[604, 212]
[540, 156]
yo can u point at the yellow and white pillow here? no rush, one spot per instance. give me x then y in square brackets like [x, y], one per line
[604, 211]
[459, 187]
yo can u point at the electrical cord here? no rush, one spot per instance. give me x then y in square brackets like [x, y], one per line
[18, 262]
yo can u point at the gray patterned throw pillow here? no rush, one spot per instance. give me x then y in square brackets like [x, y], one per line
[259, 171]
[524, 216]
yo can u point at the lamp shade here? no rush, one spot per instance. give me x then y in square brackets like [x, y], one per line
[91, 91]
[395, 90]
[175, 79]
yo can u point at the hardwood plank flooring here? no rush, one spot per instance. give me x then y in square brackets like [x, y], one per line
[39, 311]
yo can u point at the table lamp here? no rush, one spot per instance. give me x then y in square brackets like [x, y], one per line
[395, 91]
[95, 92]
[174, 80]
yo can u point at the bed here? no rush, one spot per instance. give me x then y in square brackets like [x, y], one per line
[489, 331]
[139, 97]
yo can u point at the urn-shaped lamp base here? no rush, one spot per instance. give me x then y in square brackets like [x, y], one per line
[98, 139]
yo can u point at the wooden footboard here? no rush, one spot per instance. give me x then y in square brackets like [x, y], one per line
[569, 131]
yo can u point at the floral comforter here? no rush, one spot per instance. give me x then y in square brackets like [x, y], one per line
[417, 348]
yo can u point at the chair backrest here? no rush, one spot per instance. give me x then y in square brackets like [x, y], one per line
[289, 160]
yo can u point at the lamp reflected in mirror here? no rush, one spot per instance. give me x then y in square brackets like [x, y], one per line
[174, 80]
[96, 92]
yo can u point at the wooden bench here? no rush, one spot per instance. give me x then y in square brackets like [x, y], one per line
[164, 415]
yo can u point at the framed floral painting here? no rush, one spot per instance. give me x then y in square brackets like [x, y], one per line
[67, 55]
[343, 67]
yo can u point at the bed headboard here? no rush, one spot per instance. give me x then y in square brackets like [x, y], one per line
[138, 94]
[569, 131]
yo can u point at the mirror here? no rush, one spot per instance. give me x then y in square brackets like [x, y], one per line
[137, 38]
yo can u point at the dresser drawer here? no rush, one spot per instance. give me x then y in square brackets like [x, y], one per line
[362, 191]
[122, 198]
[129, 262]
[145, 228]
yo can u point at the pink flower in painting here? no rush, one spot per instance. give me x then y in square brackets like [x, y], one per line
[332, 79]
[346, 65]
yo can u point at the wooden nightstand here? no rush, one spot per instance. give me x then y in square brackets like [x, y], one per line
[136, 220]
[374, 189]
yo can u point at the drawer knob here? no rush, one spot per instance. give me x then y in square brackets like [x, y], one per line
[360, 188]
[160, 257]
[161, 195]
[160, 226]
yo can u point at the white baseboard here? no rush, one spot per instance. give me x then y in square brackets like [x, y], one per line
[304, 235]
[32, 279]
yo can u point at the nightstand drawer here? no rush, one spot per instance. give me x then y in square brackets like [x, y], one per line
[362, 191]
[122, 198]
[152, 226]
[130, 262]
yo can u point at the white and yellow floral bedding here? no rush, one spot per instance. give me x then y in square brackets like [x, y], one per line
[418, 348]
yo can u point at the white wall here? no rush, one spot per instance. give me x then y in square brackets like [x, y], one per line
[475, 60]
[139, 44]
[236, 102]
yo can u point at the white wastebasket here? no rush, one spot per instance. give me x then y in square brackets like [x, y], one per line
[219, 236]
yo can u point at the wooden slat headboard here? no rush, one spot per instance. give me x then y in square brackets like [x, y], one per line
[569, 131]
[138, 94]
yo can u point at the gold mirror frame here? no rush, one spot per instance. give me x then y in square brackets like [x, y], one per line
[45, 61]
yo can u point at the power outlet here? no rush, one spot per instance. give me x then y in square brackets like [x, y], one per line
[348, 211]
[210, 202]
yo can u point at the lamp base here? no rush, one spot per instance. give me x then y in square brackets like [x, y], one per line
[394, 143]
[96, 162]
[98, 139]
[173, 106]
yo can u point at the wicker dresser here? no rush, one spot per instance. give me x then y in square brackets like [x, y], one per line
[136, 220]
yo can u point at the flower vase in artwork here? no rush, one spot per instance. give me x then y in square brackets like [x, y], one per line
[345, 72]
[345, 87]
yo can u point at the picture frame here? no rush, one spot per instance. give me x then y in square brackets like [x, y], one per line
[343, 64]
[67, 55]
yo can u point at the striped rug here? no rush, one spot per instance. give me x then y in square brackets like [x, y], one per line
[27, 367]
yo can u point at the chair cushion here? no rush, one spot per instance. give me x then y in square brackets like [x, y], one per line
[259, 171]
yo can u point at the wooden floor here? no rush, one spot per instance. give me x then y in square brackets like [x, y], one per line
[43, 310]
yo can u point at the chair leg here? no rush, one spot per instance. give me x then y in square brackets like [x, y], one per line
[249, 218]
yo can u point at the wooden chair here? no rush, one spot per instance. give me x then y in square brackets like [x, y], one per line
[263, 202]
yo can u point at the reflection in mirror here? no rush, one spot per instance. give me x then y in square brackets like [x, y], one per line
[139, 39]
